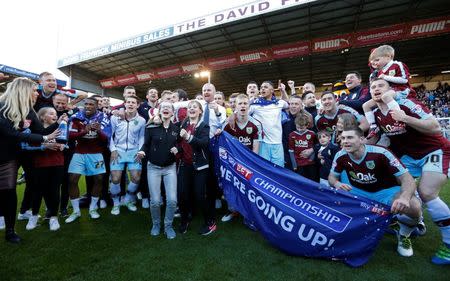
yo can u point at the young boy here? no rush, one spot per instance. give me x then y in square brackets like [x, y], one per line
[396, 73]
[325, 151]
[301, 144]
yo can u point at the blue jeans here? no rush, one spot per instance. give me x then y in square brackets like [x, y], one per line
[154, 176]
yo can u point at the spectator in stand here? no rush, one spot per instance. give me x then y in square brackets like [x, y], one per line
[357, 95]
[301, 147]
[309, 87]
[16, 114]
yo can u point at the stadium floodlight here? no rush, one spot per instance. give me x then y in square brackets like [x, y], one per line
[445, 71]
[414, 75]
[327, 84]
[203, 74]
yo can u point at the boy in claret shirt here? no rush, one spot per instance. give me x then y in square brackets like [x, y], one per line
[396, 73]
[301, 147]
[325, 151]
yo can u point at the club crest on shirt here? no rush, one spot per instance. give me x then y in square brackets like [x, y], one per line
[308, 137]
[392, 72]
[370, 164]
[249, 130]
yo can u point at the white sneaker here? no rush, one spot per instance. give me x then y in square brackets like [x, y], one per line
[54, 224]
[24, 216]
[131, 207]
[103, 204]
[2, 223]
[74, 216]
[404, 247]
[145, 203]
[229, 216]
[115, 210]
[94, 214]
[32, 223]
[139, 196]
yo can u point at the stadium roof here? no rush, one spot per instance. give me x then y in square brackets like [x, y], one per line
[425, 52]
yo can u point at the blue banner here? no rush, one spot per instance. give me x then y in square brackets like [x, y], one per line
[27, 74]
[296, 215]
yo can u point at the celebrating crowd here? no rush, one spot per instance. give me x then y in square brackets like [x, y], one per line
[371, 141]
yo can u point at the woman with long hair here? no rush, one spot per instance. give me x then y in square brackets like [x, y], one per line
[16, 114]
[193, 170]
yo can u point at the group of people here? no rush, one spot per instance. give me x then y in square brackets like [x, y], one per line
[162, 143]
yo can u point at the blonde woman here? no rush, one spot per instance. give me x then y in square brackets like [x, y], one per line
[16, 114]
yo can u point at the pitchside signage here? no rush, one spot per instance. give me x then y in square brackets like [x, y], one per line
[227, 16]
[294, 214]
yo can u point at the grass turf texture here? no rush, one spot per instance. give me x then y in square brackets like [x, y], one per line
[121, 248]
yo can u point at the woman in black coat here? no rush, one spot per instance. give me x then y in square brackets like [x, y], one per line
[16, 114]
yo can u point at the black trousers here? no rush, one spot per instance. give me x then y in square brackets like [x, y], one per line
[8, 206]
[193, 182]
[309, 172]
[46, 184]
[25, 162]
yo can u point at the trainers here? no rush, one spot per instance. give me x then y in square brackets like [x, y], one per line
[229, 216]
[94, 214]
[183, 227]
[74, 216]
[250, 225]
[32, 223]
[404, 247]
[139, 196]
[54, 224]
[103, 204]
[208, 229]
[442, 256]
[218, 204]
[373, 132]
[131, 207]
[170, 233]
[115, 210]
[155, 230]
[145, 203]
[2, 223]
[24, 216]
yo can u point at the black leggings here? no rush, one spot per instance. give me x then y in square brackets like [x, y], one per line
[8, 206]
[47, 183]
[193, 181]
